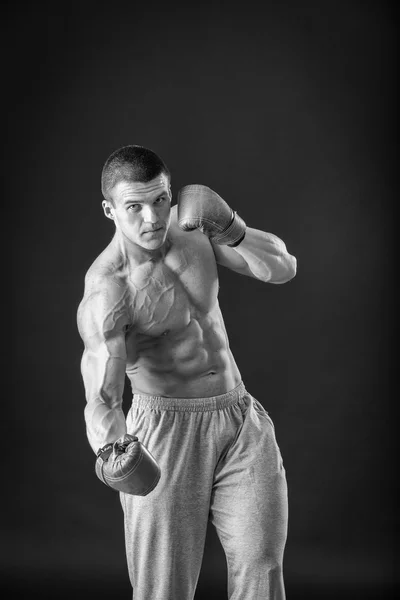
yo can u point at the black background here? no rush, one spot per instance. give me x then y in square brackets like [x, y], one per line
[287, 110]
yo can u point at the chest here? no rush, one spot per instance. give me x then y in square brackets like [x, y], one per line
[166, 295]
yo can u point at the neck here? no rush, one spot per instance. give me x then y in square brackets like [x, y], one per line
[136, 255]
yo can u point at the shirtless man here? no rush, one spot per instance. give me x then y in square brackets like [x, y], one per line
[150, 310]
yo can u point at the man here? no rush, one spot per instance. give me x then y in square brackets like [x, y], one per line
[150, 310]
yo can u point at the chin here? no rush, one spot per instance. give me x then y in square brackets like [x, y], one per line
[152, 244]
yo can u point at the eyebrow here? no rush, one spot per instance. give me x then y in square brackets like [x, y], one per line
[133, 201]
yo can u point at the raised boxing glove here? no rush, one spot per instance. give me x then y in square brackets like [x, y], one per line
[127, 466]
[199, 207]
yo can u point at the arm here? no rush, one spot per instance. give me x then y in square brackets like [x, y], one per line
[102, 319]
[261, 255]
[243, 249]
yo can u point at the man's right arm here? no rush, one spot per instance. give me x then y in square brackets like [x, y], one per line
[102, 320]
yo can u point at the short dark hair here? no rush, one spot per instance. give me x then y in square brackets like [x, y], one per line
[131, 163]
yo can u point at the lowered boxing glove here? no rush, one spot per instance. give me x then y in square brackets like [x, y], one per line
[199, 207]
[127, 466]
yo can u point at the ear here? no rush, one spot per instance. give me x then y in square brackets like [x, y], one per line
[108, 209]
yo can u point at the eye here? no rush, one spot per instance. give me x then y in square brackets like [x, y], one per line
[160, 199]
[134, 207]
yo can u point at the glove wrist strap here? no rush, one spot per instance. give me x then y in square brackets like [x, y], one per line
[104, 452]
[233, 234]
[102, 457]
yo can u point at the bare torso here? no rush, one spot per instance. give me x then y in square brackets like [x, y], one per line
[176, 342]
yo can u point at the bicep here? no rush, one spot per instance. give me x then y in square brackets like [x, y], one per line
[102, 328]
[229, 258]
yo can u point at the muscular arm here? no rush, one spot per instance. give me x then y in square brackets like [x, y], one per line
[261, 255]
[102, 319]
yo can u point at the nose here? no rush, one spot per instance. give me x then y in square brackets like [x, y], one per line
[149, 214]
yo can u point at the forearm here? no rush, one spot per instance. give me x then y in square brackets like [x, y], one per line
[103, 424]
[266, 256]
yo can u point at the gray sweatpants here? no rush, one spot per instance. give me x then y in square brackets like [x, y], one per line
[220, 461]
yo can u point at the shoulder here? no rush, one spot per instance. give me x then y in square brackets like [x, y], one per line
[104, 306]
[107, 272]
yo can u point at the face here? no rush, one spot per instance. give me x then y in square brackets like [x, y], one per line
[141, 211]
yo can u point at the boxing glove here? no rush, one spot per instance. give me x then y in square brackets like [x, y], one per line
[199, 207]
[127, 466]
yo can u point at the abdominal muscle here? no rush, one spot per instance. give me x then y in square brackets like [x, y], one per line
[188, 362]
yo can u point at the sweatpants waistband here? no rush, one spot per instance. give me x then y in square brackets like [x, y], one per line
[190, 404]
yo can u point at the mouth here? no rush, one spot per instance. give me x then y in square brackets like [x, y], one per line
[154, 230]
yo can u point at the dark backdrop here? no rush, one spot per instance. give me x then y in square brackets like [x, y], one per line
[287, 110]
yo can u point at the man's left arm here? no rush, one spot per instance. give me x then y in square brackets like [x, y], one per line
[240, 248]
[261, 255]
